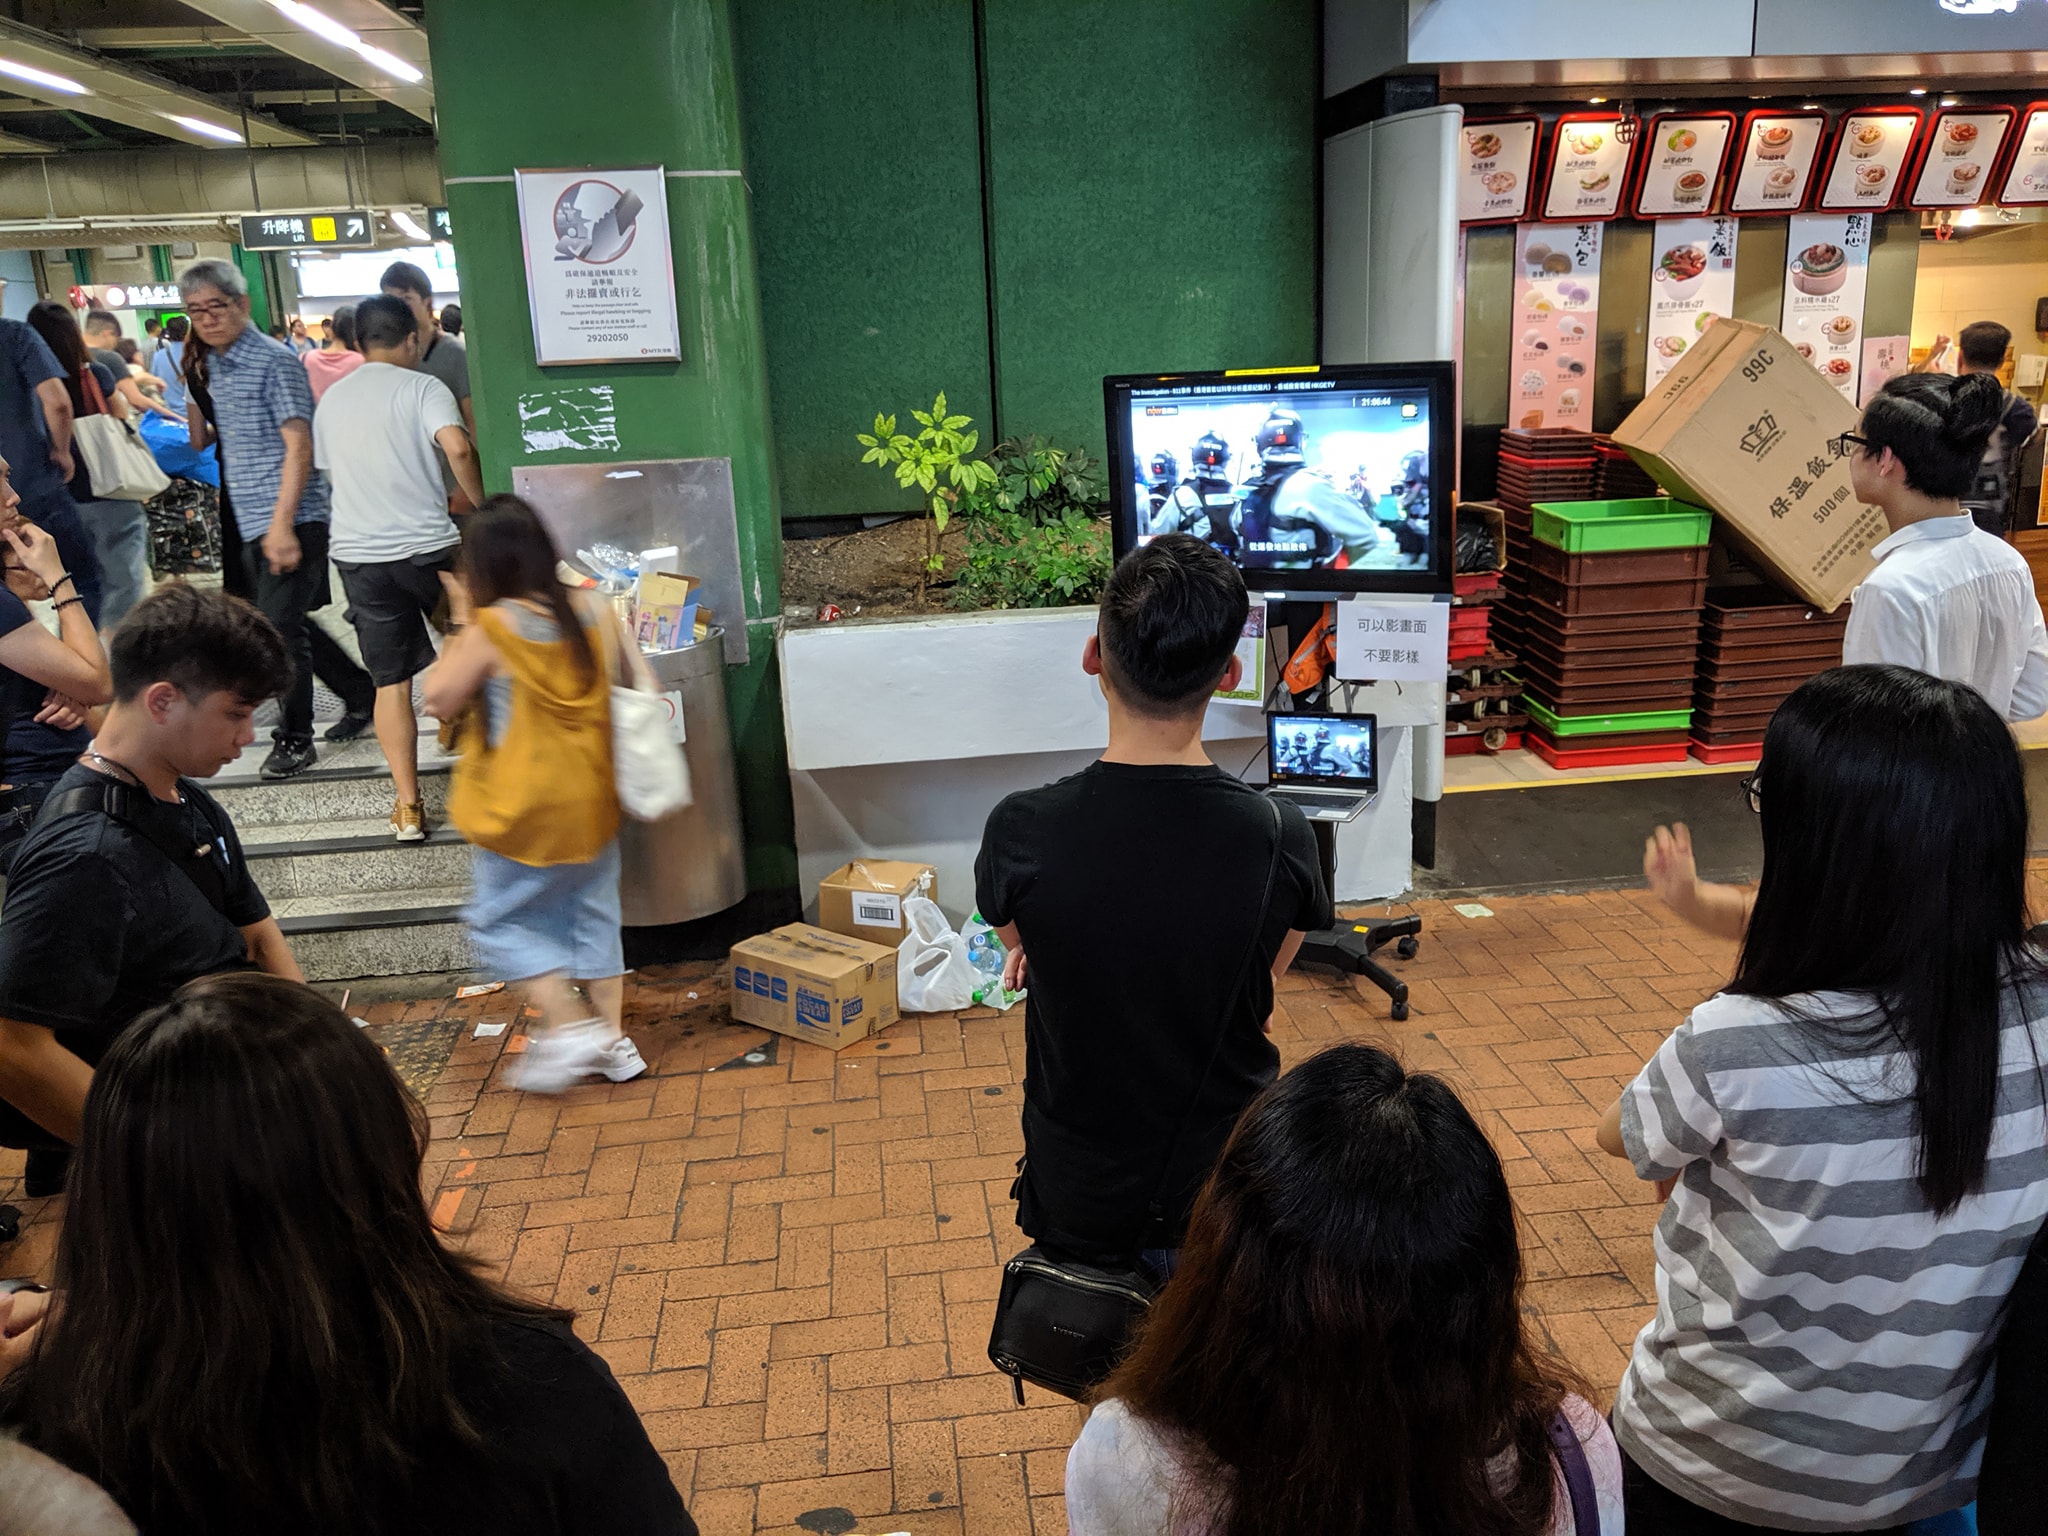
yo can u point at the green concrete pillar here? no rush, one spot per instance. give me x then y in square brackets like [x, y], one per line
[540, 84]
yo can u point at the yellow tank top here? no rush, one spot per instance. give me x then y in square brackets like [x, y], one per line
[545, 793]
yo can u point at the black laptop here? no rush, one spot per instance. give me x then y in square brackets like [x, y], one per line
[1328, 765]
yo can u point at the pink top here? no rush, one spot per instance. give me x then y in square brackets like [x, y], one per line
[323, 368]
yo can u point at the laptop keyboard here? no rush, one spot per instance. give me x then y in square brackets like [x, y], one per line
[1312, 801]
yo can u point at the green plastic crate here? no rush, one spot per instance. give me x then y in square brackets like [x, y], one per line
[1641, 522]
[1607, 725]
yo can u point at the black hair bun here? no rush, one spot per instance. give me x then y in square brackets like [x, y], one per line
[1976, 405]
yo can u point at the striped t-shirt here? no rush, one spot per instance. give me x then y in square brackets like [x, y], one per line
[1821, 1355]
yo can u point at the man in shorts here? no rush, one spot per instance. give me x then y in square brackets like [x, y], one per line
[375, 436]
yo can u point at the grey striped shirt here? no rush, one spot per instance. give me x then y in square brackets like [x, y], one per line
[1821, 1355]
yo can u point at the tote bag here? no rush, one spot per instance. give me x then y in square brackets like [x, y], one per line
[653, 779]
[120, 463]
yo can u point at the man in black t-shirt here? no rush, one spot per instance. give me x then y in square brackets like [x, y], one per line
[132, 881]
[1134, 888]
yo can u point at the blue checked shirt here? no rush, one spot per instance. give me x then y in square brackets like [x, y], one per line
[258, 385]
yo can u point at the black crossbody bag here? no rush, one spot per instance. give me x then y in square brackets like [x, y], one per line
[1064, 1325]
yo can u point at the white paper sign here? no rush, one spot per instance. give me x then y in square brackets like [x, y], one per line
[599, 279]
[1692, 283]
[1870, 160]
[1955, 171]
[674, 700]
[1588, 167]
[1827, 264]
[1496, 170]
[1393, 642]
[2026, 182]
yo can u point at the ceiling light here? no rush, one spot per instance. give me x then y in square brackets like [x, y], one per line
[1948, 101]
[410, 225]
[1596, 101]
[1811, 106]
[322, 25]
[1967, 217]
[42, 77]
[200, 125]
[391, 64]
[1918, 90]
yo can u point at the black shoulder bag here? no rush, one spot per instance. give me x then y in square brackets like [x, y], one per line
[1064, 1325]
[205, 865]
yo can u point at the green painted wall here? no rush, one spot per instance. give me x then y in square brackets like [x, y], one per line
[537, 83]
[863, 157]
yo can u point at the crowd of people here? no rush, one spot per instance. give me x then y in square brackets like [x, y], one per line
[254, 1325]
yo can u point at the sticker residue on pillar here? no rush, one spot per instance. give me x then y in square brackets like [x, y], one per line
[570, 418]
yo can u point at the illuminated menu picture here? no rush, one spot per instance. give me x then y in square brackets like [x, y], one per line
[1496, 165]
[1961, 148]
[1774, 171]
[1683, 161]
[1588, 169]
[1868, 167]
[2026, 178]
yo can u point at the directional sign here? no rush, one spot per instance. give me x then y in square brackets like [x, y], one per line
[338, 229]
[439, 225]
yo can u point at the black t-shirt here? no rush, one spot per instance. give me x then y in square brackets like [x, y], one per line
[99, 925]
[1133, 890]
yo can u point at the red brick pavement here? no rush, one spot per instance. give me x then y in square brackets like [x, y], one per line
[791, 1266]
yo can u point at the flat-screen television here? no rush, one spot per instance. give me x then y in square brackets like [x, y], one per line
[1315, 481]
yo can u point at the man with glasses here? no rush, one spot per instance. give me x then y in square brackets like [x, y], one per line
[263, 414]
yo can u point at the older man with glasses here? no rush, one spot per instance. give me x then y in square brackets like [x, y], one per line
[263, 421]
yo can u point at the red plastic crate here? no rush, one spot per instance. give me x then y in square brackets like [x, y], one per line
[1471, 743]
[1607, 757]
[1741, 752]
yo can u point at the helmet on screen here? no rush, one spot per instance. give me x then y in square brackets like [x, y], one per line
[1163, 470]
[1211, 457]
[1414, 468]
[1322, 733]
[1280, 438]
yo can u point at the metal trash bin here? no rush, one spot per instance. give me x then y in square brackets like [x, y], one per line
[693, 863]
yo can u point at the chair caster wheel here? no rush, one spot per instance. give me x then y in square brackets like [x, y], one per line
[1400, 1012]
[1406, 949]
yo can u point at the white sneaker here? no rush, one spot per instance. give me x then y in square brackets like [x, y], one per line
[623, 1061]
[556, 1059]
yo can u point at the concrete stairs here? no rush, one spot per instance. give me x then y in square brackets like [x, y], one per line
[352, 901]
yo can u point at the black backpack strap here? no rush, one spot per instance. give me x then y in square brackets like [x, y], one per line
[1578, 1475]
[204, 866]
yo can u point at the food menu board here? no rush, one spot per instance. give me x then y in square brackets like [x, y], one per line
[1588, 169]
[1961, 147]
[1496, 169]
[1691, 284]
[1557, 304]
[1683, 161]
[2026, 175]
[1827, 264]
[1775, 167]
[1884, 359]
[1868, 166]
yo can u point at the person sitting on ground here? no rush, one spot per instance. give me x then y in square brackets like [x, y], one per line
[333, 361]
[41, 1497]
[1946, 597]
[132, 880]
[1132, 1064]
[260, 1330]
[529, 674]
[374, 437]
[1344, 1347]
[1856, 1129]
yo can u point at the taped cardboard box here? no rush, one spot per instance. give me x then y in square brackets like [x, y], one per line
[814, 985]
[1746, 426]
[864, 899]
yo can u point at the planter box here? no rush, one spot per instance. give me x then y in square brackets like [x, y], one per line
[904, 734]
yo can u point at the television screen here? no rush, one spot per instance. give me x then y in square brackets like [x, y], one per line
[1322, 480]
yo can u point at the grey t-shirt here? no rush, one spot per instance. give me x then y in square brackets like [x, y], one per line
[448, 360]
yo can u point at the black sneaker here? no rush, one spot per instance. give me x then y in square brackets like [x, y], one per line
[44, 1175]
[288, 758]
[350, 726]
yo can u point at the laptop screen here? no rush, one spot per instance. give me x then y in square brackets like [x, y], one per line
[1335, 751]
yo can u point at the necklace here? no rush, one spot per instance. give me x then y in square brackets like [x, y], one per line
[120, 772]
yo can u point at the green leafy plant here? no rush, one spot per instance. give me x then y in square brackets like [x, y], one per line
[937, 460]
[1013, 562]
[1041, 481]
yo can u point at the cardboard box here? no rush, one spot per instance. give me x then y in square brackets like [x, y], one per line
[1744, 425]
[864, 899]
[814, 985]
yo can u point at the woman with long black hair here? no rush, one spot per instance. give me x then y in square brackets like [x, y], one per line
[1857, 1132]
[1342, 1348]
[257, 1327]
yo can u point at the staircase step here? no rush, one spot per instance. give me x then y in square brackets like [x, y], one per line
[349, 783]
[338, 937]
[363, 863]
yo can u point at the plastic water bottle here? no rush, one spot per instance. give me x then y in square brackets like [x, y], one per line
[985, 954]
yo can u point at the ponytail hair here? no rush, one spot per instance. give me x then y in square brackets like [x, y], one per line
[1936, 427]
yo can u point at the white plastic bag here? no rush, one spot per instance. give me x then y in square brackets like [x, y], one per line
[933, 973]
[986, 954]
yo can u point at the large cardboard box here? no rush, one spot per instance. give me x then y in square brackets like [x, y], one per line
[864, 899]
[1744, 425]
[814, 985]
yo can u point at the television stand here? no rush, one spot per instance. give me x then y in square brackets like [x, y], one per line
[1351, 946]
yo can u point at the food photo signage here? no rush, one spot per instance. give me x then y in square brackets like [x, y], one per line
[1956, 160]
[1557, 305]
[1825, 271]
[1684, 158]
[2025, 183]
[599, 278]
[1775, 167]
[1868, 166]
[1691, 285]
[1495, 174]
[1588, 168]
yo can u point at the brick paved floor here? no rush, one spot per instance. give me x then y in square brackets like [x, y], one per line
[791, 1264]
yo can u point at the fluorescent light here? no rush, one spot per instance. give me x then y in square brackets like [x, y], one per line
[410, 225]
[200, 125]
[321, 24]
[1595, 101]
[42, 77]
[1948, 101]
[1811, 106]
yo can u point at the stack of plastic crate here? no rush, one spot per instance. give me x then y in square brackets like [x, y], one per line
[1539, 464]
[1757, 646]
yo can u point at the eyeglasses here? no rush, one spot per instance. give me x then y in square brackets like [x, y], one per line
[208, 311]
[1752, 785]
[1843, 440]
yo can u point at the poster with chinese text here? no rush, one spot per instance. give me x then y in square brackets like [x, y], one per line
[1692, 283]
[1776, 162]
[1496, 170]
[1827, 263]
[1956, 160]
[1869, 164]
[2026, 179]
[1588, 169]
[1557, 305]
[1682, 164]
[599, 279]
